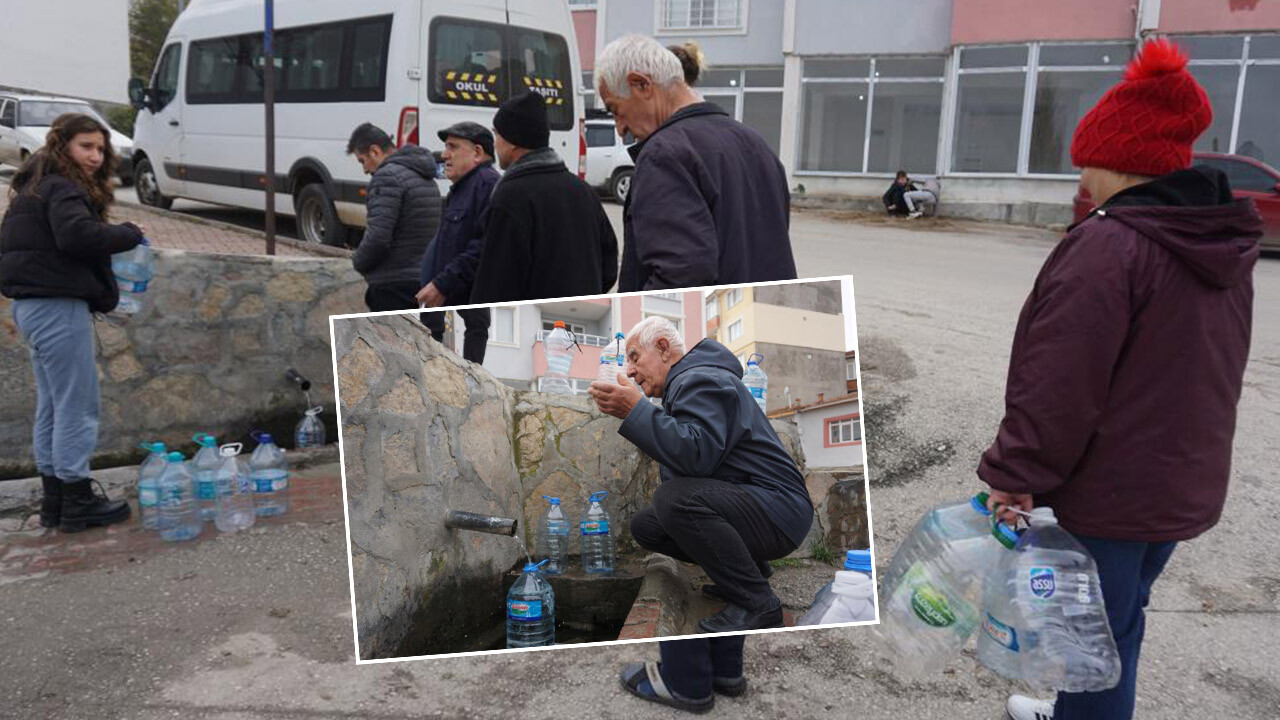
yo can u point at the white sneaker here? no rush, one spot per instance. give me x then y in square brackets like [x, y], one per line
[915, 214]
[1020, 707]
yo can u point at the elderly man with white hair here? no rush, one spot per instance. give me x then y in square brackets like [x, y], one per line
[731, 500]
[708, 203]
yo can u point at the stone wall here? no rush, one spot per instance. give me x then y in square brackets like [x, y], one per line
[207, 352]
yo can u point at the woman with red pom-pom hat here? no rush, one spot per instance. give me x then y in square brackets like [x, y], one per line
[1129, 356]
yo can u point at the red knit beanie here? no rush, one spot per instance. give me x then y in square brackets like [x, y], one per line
[1146, 124]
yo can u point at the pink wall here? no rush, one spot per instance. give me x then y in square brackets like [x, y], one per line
[694, 328]
[584, 28]
[1185, 16]
[993, 21]
[630, 313]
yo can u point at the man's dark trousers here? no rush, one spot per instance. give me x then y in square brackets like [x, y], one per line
[475, 336]
[689, 665]
[720, 526]
[384, 297]
[1126, 571]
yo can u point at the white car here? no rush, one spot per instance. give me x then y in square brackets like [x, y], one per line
[609, 165]
[25, 120]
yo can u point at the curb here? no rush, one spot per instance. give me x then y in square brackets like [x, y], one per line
[323, 250]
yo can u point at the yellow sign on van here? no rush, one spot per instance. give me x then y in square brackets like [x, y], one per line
[480, 88]
[551, 90]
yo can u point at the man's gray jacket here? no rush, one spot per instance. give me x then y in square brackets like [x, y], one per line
[403, 216]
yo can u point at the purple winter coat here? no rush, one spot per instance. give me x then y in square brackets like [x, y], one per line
[1128, 361]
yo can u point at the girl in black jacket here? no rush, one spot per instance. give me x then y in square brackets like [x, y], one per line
[55, 263]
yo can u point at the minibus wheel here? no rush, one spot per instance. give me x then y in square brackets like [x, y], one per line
[317, 218]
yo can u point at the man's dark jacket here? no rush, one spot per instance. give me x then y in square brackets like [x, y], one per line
[452, 258]
[54, 244]
[708, 205]
[1128, 361]
[894, 202]
[403, 216]
[546, 235]
[709, 426]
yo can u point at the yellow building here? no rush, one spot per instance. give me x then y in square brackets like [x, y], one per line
[798, 328]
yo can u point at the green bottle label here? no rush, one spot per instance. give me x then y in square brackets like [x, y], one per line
[932, 607]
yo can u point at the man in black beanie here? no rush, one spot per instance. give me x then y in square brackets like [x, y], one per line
[546, 234]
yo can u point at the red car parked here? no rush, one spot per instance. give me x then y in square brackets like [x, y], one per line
[1249, 178]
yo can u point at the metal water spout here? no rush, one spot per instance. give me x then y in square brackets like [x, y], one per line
[296, 378]
[458, 520]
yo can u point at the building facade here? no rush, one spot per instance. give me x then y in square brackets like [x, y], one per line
[515, 353]
[984, 94]
[797, 328]
[830, 430]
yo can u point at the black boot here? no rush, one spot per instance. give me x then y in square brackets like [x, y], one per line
[82, 506]
[51, 502]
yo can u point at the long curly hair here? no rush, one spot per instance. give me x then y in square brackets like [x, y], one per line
[55, 158]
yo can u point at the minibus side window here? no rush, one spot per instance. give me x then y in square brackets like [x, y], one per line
[544, 60]
[466, 63]
[211, 72]
[166, 79]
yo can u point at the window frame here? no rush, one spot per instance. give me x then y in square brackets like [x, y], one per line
[12, 106]
[661, 27]
[711, 309]
[850, 369]
[853, 419]
[729, 336]
[732, 297]
[515, 327]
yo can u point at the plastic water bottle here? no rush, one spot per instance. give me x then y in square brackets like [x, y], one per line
[149, 485]
[933, 585]
[553, 537]
[531, 610]
[756, 381]
[204, 466]
[611, 361]
[851, 597]
[269, 471]
[179, 511]
[310, 430]
[234, 491]
[597, 540]
[133, 270]
[557, 346]
[1045, 621]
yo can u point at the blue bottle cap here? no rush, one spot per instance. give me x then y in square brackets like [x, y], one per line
[157, 448]
[1006, 535]
[533, 567]
[174, 457]
[205, 439]
[859, 560]
[979, 502]
[597, 497]
[552, 500]
[619, 336]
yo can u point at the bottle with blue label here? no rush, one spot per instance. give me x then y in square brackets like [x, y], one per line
[149, 484]
[553, 537]
[612, 361]
[179, 510]
[850, 597]
[757, 381]
[310, 433]
[204, 468]
[1044, 620]
[269, 472]
[133, 270]
[597, 539]
[933, 587]
[531, 610]
[234, 491]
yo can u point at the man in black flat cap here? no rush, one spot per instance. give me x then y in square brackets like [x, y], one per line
[546, 234]
[449, 265]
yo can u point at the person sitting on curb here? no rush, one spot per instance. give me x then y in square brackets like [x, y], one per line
[449, 265]
[55, 263]
[894, 202]
[1129, 357]
[403, 213]
[546, 234]
[731, 500]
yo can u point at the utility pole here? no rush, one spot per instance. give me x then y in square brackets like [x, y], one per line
[269, 104]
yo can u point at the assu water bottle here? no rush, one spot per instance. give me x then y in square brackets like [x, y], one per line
[531, 610]
[933, 585]
[553, 537]
[557, 346]
[234, 491]
[179, 511]
[756, 380]
[133, 270]
[269, 471]
[309, 432]
[1045, 621]
[149, 484]
[611, 361]
[204, 466]
[851, 597]
[597, 540]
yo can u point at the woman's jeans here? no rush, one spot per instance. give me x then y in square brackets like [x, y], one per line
[59, 332]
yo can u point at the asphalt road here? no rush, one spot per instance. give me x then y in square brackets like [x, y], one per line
[199, 634]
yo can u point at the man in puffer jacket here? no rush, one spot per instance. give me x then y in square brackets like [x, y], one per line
[403, 214]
